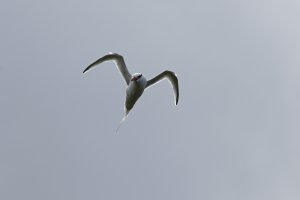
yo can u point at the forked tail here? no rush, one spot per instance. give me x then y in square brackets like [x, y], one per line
[121, 122]
[123, 119]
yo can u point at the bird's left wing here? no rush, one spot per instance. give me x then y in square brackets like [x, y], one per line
[171, 76]
[119, 62]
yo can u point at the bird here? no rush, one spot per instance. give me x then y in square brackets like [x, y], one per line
[136, 83]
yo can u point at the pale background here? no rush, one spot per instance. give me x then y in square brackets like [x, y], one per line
[234, 134]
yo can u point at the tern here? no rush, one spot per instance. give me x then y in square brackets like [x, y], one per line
[136, 83]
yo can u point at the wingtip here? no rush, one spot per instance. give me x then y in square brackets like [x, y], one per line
[176, 101]
[86, 69]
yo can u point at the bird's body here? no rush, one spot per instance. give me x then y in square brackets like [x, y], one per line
[137, 83]
[134, 90]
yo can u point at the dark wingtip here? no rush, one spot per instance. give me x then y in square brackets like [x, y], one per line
[86, 69]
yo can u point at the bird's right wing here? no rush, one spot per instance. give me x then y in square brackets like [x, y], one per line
[171, 76]
[119, 62]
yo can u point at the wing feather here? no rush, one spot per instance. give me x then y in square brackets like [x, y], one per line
[172, 78]
[119, 62]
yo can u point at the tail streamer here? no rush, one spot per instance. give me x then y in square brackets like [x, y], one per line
[121, 122]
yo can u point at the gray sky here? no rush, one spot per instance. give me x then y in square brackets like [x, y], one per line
[234, 134]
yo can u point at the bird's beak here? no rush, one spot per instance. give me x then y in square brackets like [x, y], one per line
[133, 78]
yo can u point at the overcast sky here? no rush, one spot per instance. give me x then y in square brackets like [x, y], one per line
[234, 134]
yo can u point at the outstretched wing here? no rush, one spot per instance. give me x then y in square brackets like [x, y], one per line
[171, 76]
[119, 62]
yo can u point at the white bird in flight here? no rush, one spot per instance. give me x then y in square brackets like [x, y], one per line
[137, 83]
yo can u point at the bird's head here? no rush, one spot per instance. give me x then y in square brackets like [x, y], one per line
[136, 77]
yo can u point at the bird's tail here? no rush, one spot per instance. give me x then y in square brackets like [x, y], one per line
[121, 122]
[123, 119]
